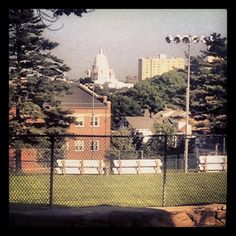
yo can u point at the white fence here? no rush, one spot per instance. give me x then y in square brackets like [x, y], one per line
[80, 167]
[100, 167]
[213, 163]
[137, 166]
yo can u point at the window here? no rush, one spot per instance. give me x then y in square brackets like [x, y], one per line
[79, 121]
[94, 145]
[94, 121]
[79, 146]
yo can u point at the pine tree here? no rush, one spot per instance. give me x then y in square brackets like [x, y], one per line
[209, 84]
[35, 78]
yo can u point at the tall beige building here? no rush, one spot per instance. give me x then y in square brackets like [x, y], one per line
[150, 66]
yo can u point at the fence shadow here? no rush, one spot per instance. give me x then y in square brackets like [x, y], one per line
[37, 215]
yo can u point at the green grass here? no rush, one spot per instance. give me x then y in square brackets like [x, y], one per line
[123, 190]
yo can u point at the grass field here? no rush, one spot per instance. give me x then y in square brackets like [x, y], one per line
[123, 190]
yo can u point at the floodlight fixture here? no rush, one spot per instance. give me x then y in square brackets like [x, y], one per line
[195, 39]
[211, 38]
[186, 39]
[169, 38]
[177, 38]
[203, 39]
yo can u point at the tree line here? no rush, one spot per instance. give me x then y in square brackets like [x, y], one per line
[208, 90]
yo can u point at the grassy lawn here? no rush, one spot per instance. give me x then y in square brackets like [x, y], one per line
[124, 190]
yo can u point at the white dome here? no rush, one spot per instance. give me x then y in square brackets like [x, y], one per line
[101, 61]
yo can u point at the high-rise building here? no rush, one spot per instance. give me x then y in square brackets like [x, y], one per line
[150, 66]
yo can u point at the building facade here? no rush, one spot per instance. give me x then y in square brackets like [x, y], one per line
[149, 67]
[93, 120]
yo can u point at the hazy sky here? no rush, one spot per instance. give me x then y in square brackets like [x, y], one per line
[128, 34]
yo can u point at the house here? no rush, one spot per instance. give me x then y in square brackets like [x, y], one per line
[144, 124]
[177, 118]
[93, 117]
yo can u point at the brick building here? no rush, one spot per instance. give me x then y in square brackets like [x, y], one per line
[93, 116]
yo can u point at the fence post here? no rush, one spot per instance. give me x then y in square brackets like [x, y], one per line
[205, 164]
[100, 167]
[82, 167]
[138, 167]
[51, 171]
[119, 168]
[225, 164]
[63, 167]
[224, 145]
[164, 173]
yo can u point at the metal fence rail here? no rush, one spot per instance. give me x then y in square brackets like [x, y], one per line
[75, 170]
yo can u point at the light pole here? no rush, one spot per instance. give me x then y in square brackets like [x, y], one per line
[91, 87]
[187, 39]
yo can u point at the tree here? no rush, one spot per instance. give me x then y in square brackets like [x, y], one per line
[50, 16]
[171, 87]
[146, 94]
[123, 106]
[35, 78]
[164, 128]
[209, 84]
[122, 146]
[152, 94]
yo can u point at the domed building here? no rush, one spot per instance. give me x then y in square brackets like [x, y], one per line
[102, 74]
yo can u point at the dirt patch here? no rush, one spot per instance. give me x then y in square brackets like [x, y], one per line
[114, 216]
[198, 216]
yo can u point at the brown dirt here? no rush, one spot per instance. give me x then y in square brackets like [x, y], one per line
[113, 216]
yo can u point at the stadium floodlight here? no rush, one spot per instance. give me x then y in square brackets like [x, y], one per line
[186, 39]
[177, 38]
[195, 39]
[211, 38]
[203, 39]
[169, 38]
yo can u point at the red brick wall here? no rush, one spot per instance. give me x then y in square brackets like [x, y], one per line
[103, 129]
[29, 163]
[87, 153]
[104, 118]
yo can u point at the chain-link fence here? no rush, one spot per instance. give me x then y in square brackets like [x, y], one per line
[73, 170]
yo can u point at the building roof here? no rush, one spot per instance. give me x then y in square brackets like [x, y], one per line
[140, 122]
[170, 113]
[80, 96]
[147, 121]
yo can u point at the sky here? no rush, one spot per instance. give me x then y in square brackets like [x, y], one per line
[125, 35]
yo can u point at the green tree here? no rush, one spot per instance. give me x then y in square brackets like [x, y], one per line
[122, 146]
[165, 127]
[35, 78]
[209, 84]
[146, 94]
[171, 87]
[50, 16]
[123, 106]
[152, 94]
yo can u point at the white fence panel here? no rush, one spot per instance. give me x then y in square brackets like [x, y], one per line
[93, 163]
[212, 159]
[88, 171]
[125, 170]
[137, 166]
[213, 163]
[212, 167]
[119, 166]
